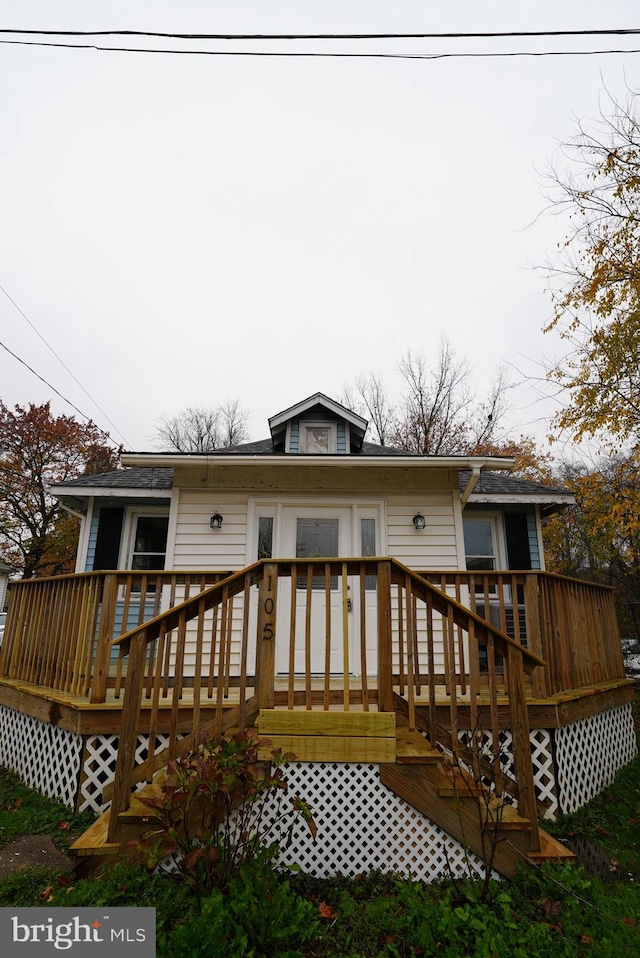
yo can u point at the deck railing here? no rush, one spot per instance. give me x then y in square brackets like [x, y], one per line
[339, 649]
[570, 623]
[59, 630]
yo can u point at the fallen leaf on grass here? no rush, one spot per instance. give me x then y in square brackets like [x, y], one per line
[326, 911]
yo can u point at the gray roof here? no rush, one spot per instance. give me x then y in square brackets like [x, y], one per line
[152, 478]
[489, 483]
[503, 484]
[265, 447]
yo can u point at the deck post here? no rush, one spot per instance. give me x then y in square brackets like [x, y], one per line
[266, 636]
[385, 678]
[129, 720]
[105, 634]
[527, 805]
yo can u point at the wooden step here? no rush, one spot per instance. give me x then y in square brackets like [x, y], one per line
[551, 850]
[95, 840]
[504, 817]
[418, 785]
[457, 782]
[412, 748]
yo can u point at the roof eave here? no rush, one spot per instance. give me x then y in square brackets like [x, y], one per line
[135, 459]
[504, 498]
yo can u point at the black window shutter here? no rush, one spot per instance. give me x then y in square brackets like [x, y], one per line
[108, 541]
[517, 532]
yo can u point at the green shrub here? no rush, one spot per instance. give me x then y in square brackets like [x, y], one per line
[259, 916]
[210, 813]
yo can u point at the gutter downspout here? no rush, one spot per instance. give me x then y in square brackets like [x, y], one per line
[468, 489]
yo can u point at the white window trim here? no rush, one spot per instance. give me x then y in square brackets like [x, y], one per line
[131, 516]
[366, 508]
[305, 424]
[499, 544]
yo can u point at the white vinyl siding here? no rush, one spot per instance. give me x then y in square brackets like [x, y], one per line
[433, 548]
[197, 546]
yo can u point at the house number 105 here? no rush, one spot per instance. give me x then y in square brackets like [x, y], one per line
[268, 608]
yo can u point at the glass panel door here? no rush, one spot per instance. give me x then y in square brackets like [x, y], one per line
[317, 538]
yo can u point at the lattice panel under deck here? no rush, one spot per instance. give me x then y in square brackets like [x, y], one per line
[45, 757]
[541, 756]
[101, 753]
[590, 752]
[363, 826]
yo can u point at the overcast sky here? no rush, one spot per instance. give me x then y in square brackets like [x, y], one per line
[187, 229]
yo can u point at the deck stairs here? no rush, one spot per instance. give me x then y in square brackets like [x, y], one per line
[448, 794]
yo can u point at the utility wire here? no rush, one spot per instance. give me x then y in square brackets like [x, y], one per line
[621, 31]
[300, 54]
[58, 393]
[62, 363]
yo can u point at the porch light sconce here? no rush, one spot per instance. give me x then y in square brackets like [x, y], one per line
[216, 521]
[419, 521]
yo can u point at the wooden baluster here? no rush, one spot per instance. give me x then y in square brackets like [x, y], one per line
[292, 638]
[212, 652]
[461, 636]
[128, 733]
[197, 674]
[402, 677]
[493, 713]
[519, 721]
[363, 637]
[431, 661]
[411, 692]
[244, 649]
[327, 635]
[452, 683]
[105, 632]
[307, 638]
[345, 639]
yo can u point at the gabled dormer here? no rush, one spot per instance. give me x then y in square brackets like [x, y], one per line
[317, 426]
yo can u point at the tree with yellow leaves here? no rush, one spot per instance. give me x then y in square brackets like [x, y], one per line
[595, 276]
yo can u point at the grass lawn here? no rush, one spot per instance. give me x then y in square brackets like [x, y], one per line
[551, 911]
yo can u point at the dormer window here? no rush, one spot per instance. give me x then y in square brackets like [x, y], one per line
[317, 438]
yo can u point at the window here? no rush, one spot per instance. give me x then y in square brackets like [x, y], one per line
[315, 538]
[146, 540]
[317, 438]
[368, 547]
[265, 537]
[149, 542]
[479, 544]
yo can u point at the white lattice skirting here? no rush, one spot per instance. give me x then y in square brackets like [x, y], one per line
[363, 825]
[47, 758]
[590, 752]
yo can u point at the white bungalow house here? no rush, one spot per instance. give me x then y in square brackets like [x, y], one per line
[370, 610]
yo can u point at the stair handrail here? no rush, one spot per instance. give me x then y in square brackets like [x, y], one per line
[518, 660]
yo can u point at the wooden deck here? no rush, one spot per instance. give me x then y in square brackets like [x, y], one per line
[395, 676]
[76, 713]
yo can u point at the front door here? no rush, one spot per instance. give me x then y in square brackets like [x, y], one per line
[315, 532]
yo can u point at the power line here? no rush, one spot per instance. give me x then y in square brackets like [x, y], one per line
[308, 54]
[62, 363]
[58, 393]
[620, 31]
